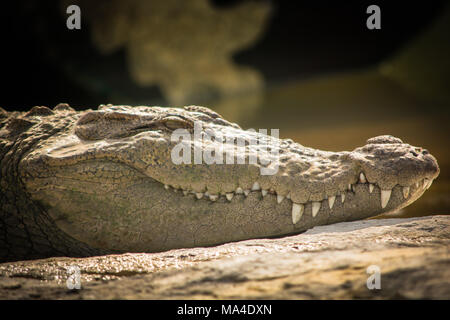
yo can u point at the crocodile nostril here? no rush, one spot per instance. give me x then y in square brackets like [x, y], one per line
[425, 152]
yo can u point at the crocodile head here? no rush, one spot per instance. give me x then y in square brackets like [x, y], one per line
[113, 181]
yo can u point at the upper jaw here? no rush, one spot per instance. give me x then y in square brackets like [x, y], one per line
[361, 181]
[310, 183]
[393, 185]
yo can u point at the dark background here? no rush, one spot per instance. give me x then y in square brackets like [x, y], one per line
[303, 39]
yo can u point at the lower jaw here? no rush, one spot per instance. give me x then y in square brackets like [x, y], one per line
[255, 216]
[163, 219]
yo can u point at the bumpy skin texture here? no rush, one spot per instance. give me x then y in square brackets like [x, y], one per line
[94, 182]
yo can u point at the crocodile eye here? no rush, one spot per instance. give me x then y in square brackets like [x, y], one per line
[173, 122]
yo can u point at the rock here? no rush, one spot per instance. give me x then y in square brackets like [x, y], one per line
[327, 262]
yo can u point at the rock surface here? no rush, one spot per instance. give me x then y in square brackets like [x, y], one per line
[327, 262]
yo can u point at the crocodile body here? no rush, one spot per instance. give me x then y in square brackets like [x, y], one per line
[104, 181]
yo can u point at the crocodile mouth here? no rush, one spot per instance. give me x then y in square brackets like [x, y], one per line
[356, 194]
[367, 197]
[359, 198]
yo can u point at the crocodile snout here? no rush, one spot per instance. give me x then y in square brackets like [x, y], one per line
[388, 162]
[416, 158]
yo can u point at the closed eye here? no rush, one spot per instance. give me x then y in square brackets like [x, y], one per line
[175, 122]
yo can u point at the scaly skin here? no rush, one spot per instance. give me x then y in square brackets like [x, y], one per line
[94, 182]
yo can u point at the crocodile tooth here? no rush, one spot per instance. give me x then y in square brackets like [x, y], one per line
[213, 197]
[280, 198]
[385, 196]
[297, 212]
[331, 201]
[353, 188]
[342, 197]
[185, 192]
[199, 195]
[239, 190]
[315, 208]
[288, 196]
[246, 192]
[256, 187]
[371, 186]
[417, 184]
[425, 183]
[405, 192]
[349, 186]
[430, 182]
[166, 186]
[362, 178]
[264, 192]
[229, 196]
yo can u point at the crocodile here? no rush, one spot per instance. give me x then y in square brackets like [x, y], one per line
[93, 182]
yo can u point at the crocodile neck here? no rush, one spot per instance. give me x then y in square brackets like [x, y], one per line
[26, 231]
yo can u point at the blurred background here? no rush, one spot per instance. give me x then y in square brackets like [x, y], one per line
[311, 69]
